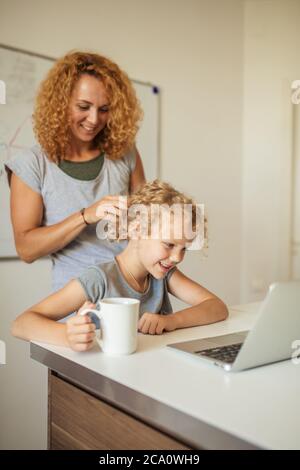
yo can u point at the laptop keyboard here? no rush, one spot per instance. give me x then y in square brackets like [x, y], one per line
[224, 353]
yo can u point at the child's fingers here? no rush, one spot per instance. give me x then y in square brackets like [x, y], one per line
[145, 325]
[79, 319]
[159, 329]
[74, 329]
[149, 324]
[83, 338]
[152, 326]
[141, 323]
[144, 322]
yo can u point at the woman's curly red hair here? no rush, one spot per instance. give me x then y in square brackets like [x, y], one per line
[51, 114]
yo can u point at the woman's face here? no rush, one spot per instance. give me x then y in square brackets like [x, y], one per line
[89, 107]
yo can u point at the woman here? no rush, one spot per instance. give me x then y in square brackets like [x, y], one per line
[85, 121]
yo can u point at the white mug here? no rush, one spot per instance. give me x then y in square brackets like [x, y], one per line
[118, 324]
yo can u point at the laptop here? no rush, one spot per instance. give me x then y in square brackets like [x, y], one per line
[270, 340]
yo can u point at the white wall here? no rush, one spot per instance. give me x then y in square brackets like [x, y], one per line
[23, 382]
[271, 63]
[295, 226]
[193, 50]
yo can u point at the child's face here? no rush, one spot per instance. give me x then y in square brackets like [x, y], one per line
[159, 255]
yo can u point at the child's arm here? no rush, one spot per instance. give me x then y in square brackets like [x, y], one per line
[205, 306]
[39, 323]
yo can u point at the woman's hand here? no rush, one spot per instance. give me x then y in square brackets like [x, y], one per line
[155, 323]
[109, 205]
[80, 330]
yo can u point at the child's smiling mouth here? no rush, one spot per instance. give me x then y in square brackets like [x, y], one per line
[165, 267]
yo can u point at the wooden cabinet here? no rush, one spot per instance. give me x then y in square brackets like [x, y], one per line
[79, 420]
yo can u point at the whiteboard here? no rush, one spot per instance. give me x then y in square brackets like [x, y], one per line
[22, 71]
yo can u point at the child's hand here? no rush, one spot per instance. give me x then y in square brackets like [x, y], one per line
[155, 324]
[80, 330]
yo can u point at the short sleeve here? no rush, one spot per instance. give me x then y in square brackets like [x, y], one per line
[93, 283]
[27, 166]
[130, 159]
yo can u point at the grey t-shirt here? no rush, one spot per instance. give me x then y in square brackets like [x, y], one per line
[106, 280]
[63, 195]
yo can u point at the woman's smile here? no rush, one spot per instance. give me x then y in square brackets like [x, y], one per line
[91, 130]
[88, 108]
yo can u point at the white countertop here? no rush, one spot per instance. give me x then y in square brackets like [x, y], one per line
[260, 405]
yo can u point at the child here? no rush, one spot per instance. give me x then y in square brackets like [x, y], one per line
[146, 270]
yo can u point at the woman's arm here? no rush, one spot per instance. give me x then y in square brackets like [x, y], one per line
[138, 175]
[33, 240]
[206, 307]
[39, 322]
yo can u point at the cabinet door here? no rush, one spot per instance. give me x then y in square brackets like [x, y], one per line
[78, 420]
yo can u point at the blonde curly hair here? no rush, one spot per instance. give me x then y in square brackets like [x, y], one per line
[51, 113]
[163, 195]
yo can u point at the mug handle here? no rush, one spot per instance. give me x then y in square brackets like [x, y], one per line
[93, 314]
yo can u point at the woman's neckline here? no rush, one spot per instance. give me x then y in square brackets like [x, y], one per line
[78, 181]
[66, 160]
